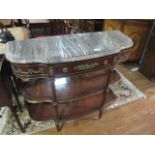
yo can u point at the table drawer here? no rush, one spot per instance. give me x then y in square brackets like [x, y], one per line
[84, 66]
[31, 71]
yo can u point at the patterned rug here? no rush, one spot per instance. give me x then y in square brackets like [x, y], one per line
[125, 91]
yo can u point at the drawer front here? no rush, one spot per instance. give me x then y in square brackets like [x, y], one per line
[30, 71]
[62, 69]
[83, 66]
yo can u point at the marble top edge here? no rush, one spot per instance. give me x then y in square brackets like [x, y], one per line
[67, 48]
[73, 59]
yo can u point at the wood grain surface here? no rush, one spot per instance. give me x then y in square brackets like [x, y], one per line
[134, 118]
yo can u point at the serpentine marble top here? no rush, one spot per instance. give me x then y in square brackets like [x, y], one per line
[67, 48]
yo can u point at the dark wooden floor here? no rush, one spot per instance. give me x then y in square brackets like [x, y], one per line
[134, 118]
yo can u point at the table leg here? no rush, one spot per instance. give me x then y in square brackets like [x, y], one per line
[57, 121]
[16, 95]
[10, 91]
[17, 119]
[100, 113]
[105, 93]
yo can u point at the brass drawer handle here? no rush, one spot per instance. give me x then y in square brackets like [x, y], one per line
[105, 62]
[51, 72]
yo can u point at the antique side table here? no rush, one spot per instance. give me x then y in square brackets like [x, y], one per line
[66, 77]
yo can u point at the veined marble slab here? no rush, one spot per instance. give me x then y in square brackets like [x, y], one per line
[67, 48]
